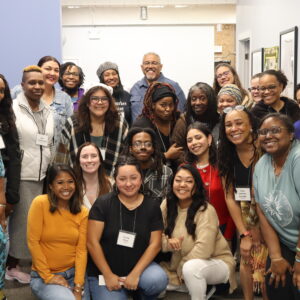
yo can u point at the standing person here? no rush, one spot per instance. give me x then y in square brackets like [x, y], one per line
[201, 152]
[71, 79]
[298, 94]
[200, 254]
[97, 121]
[277, 190]
[226, 74]
[254, 88]
[237, 154]
[108, 73]
[56, 233]
[201, 105]
[10, 148]
[160, 114]
[124, 236]
[90, 173]
[142, 144]
[151, 68]
[271, 84]
[35, 125]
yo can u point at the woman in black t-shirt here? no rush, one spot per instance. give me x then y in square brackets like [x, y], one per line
[124, 236]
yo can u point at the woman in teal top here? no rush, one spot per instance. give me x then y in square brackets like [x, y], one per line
[277, 193]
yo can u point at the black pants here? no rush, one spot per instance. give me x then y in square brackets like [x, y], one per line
[289, 291]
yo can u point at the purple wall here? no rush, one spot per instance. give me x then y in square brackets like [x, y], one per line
[29, 30]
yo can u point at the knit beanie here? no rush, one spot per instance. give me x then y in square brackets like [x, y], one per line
[232, 90]
[106, 66]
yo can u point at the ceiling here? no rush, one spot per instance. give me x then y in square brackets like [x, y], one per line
[137, 3]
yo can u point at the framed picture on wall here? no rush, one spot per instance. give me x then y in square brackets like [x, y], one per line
[271, 58]
[288, 59]
[257, 61]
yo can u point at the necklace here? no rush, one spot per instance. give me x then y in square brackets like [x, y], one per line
[160, 137]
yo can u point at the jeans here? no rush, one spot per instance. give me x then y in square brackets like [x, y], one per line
[198, 273]
[152, 282]
[3, 252]
[53, 291]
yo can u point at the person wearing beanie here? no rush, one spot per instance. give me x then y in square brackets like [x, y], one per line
[108, 73]
[229, 95]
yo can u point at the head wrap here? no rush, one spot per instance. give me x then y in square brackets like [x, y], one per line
[107, 66]
[109, 88]
[162, 92]
[232, 90]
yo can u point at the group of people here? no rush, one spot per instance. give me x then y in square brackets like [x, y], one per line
[111, 193]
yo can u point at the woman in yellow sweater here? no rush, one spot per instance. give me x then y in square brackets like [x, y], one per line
[56, 235]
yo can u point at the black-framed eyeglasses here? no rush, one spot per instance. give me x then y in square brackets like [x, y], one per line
[139, 144]
[253, 88]
[231, 108]
[75, 74]
[273, 130]
[96, 99]
[267, 88]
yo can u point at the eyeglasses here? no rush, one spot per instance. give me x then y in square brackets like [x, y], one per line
[231, 108]
[273, 130]
[269, 88]
[226, 73]
[139, 144]
[96, 99]
[75, 74]
[254, 88]
[154, 63]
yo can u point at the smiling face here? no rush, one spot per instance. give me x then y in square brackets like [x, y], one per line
[142, 147]
[33, 85]
[275, 143]
[98, 104]
[225, 101]
[184, 185]
[164, 108]
[50, 71]
[198, 143]
[151, 67]
[199, 102]
[70, 78]
[238, 127]
[63, 187]
[255, 89]
[111, 78]
[2, 89]
[128, 181]
[224, 76]
[270, 89]
[89, 159]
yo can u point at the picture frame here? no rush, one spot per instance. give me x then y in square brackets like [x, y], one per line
[271, 58]
[288, 58]
[257, 61]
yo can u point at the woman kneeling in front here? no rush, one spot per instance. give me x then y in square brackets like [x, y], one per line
[200, 253]
[124, 236]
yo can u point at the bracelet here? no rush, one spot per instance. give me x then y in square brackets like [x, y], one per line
[297, 260]
[2, 205]
[298, 249]
[277, 259]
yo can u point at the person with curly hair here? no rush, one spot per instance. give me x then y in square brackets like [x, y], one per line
[71, 78]
[237, 155]
[97, 121]
[200, 253]
[160, 113]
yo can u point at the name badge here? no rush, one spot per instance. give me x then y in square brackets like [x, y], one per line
[42, 139]
[126, 238]
[2, 145]
[242, 194]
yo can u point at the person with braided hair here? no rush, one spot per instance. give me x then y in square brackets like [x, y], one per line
[160, 113]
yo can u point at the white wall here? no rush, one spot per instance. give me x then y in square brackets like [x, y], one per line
[263, 20]
[184, 38]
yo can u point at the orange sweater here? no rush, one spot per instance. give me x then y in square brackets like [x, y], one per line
[57, 241]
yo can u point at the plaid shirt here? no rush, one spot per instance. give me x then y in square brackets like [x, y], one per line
[154, 186]
[71, 140]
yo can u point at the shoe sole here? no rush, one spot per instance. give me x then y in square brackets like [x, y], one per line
[7, 277]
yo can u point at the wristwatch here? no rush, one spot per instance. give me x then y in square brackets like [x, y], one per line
[246, 233]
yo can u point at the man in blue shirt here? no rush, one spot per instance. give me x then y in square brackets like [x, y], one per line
[151, 68]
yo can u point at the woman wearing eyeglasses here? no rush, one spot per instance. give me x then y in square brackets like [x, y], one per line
[271, 84]
[277, 190]
[254, 88]
[229, 96]
[97, 121]
[142, 144]
[237, 154]
[226, 74]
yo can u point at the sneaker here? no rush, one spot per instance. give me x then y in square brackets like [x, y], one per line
[210, 292]
[18, 275]
[162, 294]
[177, 288]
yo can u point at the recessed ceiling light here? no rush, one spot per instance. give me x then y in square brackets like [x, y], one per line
[73, 6]
[180, 6]
[155, 6]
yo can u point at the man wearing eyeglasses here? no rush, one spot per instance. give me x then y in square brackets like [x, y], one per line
[151, 68]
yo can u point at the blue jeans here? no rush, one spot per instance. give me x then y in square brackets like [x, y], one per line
[3, 253]
[53, 291]
[152, 282]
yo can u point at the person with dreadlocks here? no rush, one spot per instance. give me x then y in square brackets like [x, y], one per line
[160, 113]
[141, 143]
